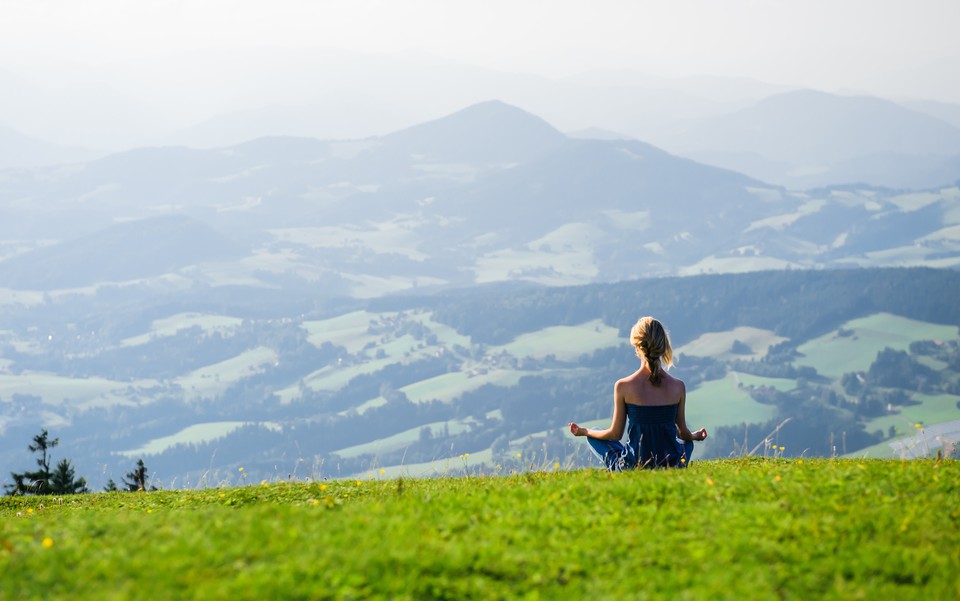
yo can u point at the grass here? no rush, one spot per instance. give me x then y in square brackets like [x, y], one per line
[566, 343]
[732, 529]
[833, 355]
[195, 434]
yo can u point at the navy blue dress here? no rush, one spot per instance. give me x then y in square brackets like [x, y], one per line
[651, 441]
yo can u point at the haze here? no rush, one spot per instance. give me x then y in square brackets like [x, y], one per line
[108, 74]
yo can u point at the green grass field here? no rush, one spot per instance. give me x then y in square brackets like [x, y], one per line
[833, 355]
[732, 529]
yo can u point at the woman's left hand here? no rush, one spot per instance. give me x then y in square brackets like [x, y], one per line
[577, 430]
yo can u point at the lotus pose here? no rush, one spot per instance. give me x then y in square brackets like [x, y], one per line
[650, 404]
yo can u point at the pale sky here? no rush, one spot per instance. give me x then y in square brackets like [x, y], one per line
[114, 73]
[885, 47]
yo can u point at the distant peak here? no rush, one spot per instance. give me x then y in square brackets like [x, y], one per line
[491, 131]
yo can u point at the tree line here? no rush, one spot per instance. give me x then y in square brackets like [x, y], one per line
[62, 479]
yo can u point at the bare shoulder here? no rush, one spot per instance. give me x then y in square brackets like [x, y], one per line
[674, 385]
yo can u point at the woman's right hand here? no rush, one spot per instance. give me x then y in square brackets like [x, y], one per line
[577, 430]
[700, 434]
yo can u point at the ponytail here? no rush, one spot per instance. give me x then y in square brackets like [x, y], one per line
[652, 344]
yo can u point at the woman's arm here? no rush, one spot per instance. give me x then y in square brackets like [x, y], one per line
[684, 433]
[617, 424]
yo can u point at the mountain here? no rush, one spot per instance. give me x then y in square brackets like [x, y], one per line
[808, 138]
[945, 111]
[126, 251]
[490, 193]
[21, 151]
[488, 132]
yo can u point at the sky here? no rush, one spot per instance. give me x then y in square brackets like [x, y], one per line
[889, 47]
[899, 49]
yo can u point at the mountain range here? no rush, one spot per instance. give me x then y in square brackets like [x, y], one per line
[489, 193]
[293, 297]
[782, 135]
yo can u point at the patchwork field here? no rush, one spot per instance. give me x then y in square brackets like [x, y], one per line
[834, 355]
[195, 434]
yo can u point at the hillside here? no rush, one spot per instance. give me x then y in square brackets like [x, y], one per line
[736, 529]
[806, 138]
[199, 381]
[490, 193]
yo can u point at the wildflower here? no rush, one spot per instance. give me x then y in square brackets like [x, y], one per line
[782, 449]
[799, 461]
[315, 502]
[47, 542]
[917, 426]
[518, 455]
[241, 469]
[358, 483]
[382, 471]
[222, 495]
[29, 509]
[466, 454]
[776, 478]
[556, 465]
[323, 487]
[683, 460]
[149, 511]
[263, 483]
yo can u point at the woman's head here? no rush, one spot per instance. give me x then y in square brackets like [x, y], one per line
[652, 344]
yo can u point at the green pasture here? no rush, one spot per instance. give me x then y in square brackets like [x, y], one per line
[933, 409]
[833, 355]
[779, 222]
[398, 236]
[348, 330]
[718, 344]
[566, 266]
[566, 343]
[169, 326]
[195, 434]
[405, 438]
[916, 200]
[740, 529]
[78, 393]
[449, 386]
[744, 264]
[724, 403]
[950, 233]
[214, 379]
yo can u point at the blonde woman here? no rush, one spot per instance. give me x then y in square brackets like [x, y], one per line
[650, 405]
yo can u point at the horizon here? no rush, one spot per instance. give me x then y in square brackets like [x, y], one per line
[165, 66]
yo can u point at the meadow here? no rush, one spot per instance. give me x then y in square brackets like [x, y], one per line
[724, 529]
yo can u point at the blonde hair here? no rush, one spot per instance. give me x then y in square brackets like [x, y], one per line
[652, 344]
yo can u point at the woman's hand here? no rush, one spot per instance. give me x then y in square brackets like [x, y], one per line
[700, 434]
[577, 430]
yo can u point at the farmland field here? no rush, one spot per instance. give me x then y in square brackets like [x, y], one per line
[833, 355]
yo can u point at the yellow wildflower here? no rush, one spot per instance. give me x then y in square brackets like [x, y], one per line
[47, 542]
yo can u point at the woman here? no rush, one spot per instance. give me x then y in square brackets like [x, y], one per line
[650, 403]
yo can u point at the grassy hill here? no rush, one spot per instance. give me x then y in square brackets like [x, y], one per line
[729, 529]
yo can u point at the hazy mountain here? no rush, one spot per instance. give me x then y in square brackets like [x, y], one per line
[490, 193]
[808, 138]
[19, 150]
[126, 251]
[945, 111]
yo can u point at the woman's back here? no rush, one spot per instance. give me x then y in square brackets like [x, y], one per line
[637, 389]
